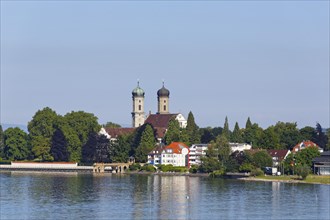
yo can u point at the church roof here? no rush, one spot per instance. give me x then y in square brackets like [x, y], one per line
[115, 132]
[160, 120]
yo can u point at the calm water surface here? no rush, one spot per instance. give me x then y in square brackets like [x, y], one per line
[111, 196]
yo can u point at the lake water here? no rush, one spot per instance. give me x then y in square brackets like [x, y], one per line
[40, 195]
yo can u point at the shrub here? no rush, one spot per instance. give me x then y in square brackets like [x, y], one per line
[257, 172]
[217, 173]
[135, 166]
[193, 169]
[246, 167]
[303, 171]
[149, 168]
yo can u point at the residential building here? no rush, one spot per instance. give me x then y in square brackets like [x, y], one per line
[177, 154]
[278, 156]
[197, 151]
[321, 164]
[239, 147]
[305, 144]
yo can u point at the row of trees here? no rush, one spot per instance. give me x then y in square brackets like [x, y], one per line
[74, 137]
[283, 135]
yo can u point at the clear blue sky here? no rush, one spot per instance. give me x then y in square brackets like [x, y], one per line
[265, 59]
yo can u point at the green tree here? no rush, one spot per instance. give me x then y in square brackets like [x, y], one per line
[111, 125]
[223, 147]
[15, 144]
[41, 128]
[270, 139]
[209, 134]
[226, 131]
[288, 133]
[319, 137]
[41, 148]
[102, 149]
[237, 136]
[192, 130]
[306, 156]
[89, 148]
[173, 131]
[146, 145]
[83, 123]
[248, 123]
[252, 134]
[119, 149]
[307, 133]
[2, 143]
[262, 159]
[184, 137]
[328, 137]
[59, 146]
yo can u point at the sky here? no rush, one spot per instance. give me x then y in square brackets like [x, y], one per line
[267, 60]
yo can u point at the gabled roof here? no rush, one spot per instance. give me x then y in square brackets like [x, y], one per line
[278, 153]
[324, 158]
[160, 120]
[115, 132]
[306, 144]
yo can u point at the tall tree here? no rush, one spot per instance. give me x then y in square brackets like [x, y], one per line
[222, 144]
[147, 143]
[89, 148]
[327, 147]
[16, 144]
[319, 137]
[288, 133]
[192, 130]
[120, 149]
[237, 136]
[2, 143]
[248, 123]
[252, 135]
[59, 146]
[270, 139]
[41, 129]
[226, 131]
[173, 131]
[102, 149]
[307, 133]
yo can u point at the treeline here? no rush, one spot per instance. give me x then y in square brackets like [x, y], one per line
[75, 137]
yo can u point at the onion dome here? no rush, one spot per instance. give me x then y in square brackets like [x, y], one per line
[138, 91]
[163, 91]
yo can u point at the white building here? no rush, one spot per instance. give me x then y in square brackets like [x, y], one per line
[239, 147]
[175, 154]
[197, 151]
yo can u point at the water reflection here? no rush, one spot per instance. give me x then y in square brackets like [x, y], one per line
[113, 196]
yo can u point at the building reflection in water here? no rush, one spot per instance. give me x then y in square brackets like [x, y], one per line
[167, 197]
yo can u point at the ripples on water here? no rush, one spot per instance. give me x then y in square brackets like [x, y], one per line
[110, 196]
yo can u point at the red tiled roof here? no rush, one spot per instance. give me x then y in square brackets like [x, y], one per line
[160, 120]
[176, 147]
[160, 132]
[115, 132]
[304, 144]
[278, 153]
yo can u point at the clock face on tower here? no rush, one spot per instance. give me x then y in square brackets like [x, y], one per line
[184, 151]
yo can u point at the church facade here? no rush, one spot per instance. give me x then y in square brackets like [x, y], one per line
[159, 120]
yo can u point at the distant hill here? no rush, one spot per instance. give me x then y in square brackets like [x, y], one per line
[6, 126]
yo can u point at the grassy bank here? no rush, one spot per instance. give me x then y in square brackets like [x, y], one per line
[310, 179]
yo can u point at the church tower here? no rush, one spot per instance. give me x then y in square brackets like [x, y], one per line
[138, 117]
[163, 100]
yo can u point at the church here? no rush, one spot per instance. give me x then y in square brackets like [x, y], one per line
[159, 121]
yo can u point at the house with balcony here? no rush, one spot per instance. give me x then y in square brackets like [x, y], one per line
[197, 151]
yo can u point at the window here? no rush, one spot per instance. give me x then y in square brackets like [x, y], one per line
[164, 107]
[164, 101]
[140, 107]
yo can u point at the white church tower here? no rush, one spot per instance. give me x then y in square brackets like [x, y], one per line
[138, 116]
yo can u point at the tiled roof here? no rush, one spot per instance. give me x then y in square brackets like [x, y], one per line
[305, 144]
[115, 132]
[160, 131]
[176, 147]
[159, 120]
[278, 153]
